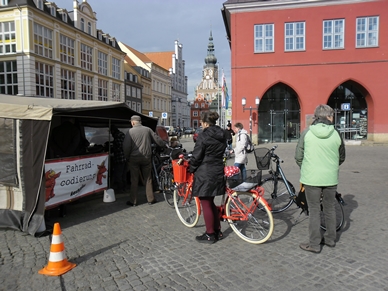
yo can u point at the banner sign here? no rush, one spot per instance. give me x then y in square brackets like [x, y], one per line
[72, 178]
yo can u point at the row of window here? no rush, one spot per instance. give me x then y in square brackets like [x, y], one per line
[134, 105]
[367, 32]
[44, 79]
[132, 91]
[43, 46]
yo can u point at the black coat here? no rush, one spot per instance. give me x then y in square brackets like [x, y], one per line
[207, 162]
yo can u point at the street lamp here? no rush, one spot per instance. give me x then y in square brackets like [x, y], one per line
[244, 102]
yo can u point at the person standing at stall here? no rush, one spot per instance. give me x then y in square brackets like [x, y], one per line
[119, 161]
[138, 151]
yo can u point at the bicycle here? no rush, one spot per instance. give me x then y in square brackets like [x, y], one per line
[280, 193]
[247, 212]
[163, 172]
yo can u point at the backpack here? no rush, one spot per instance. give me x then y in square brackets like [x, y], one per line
[248, 146]
[301, 200]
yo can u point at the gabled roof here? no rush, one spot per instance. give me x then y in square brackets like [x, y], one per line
[163, 59]
[129, 61]
[138, 54]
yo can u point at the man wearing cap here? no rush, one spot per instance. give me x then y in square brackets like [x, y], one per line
[138, 151]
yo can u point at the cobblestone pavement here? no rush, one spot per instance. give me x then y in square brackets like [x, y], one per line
[117, 247]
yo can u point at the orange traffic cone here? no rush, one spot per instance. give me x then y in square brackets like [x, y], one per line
[58, 263]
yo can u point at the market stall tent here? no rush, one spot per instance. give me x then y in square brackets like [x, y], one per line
[25, 124]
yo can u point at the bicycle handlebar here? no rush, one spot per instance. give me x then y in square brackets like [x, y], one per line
[275, 156]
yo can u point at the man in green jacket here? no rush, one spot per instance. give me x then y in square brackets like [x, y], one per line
[319, 153]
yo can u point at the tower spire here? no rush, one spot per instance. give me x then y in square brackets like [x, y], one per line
[210, 59]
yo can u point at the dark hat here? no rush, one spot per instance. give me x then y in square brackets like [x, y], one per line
[135, 118]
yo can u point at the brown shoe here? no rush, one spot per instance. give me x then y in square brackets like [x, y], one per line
[307, 247]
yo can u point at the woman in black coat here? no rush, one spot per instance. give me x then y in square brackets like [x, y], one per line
[208, 167]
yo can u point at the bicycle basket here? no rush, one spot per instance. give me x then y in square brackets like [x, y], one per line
[179, 171]
[234, 181]
[263, 158]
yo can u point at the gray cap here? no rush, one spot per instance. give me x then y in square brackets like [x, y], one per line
[135, 118]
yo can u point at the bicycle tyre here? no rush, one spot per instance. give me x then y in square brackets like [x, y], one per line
[259, 226]
[339, 214]
[281, 200]
[167, 186]
[188, 211]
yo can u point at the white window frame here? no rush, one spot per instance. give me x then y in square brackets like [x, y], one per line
[367, 33]
[9, 78]
[102, 63]
[44, 76]
[86, 87]
[53, 11]
[86, 57]
[66, 49]
[333, 35]
[133, 91]
[89, 28]
[294, 37]
[82, 24]
[102, 90]
[64, 17]
[8, 38]
[139, 107]
[195, 113]
[116, 68]
[115, 92]
[40, 4]
[43, 41]
[67, 84]
[264, 38]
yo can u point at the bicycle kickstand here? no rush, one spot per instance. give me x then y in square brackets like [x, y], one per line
[300, 214]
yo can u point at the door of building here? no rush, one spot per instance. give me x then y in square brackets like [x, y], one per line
[279, 115]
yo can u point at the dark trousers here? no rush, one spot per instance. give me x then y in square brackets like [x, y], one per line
[141, 165]
[120, 176]
[313, 195]
[210, 214]
[242, 169]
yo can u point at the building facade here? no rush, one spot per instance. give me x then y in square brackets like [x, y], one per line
[133, 86]
[294, 55]
[50, 52]
[160, 84]
[172, 61]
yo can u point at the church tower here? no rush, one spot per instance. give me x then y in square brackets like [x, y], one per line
[208, 88]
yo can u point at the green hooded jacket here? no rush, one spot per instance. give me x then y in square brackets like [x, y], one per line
[319, 153]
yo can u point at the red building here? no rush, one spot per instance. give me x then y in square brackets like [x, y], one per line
[295, 55]
[200, 104]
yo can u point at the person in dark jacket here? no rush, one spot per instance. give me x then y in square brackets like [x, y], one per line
[208, 167]
[119, 161]
[319, 153]
[229, 133]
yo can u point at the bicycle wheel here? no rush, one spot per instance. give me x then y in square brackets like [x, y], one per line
[167, 185]
[186, 206]
[281, 200]
[258, 227]
[339, 214]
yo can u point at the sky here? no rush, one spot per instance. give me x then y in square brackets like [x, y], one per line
[154, 25]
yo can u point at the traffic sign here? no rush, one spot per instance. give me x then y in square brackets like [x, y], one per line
[164, 115]
[345, 106]
[150, 114]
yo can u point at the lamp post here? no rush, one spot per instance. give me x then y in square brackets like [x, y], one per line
[244, 102]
